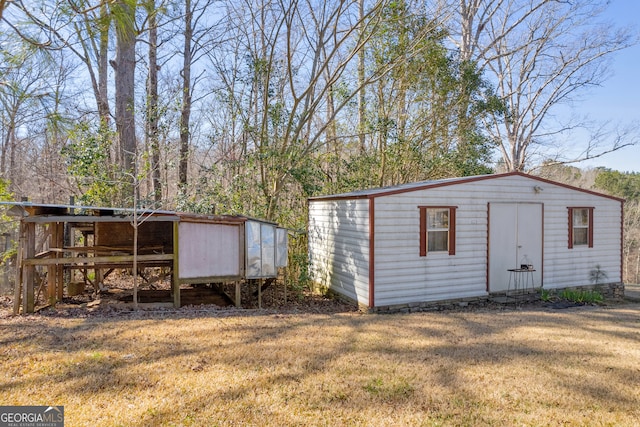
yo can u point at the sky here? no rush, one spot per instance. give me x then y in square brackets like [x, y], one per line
[618, 99]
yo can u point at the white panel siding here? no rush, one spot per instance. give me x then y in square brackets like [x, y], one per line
[402, 275]
[339, 246]
[566, 267]
[208, 250]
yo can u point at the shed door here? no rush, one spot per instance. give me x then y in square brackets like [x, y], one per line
[515, 234]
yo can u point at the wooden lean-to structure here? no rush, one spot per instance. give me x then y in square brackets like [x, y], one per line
[194, 248]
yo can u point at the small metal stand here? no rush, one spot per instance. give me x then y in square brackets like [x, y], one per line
[522, 279]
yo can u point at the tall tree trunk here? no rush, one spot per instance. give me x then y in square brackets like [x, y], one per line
[468, 35]
[361, 77]
[186, 98]
[333, 165]
[102, 94]
[6, 146]
[152, 105]
[12, 175]
[125, 66]
[383, 123]
[103, 75]
[94, 40]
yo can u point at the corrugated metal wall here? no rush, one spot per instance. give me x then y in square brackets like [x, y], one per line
[339, 246]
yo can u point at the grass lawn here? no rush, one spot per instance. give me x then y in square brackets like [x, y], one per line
[579, 366]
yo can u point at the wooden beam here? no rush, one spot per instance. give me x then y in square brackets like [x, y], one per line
[209, 279]
[89, 261]
[110, 249]
[112, 266]
[93, 219]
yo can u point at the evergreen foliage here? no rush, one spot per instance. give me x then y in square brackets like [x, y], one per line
[621, 184]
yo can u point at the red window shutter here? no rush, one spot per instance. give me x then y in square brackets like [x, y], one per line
[423, 231]
[590, 238]
[452, 231]
[570, 228]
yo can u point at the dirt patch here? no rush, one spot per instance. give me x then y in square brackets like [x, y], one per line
[154, 294]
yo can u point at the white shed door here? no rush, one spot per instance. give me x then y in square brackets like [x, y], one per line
[515, 235]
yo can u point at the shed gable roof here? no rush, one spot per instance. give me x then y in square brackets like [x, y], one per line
[424, 185]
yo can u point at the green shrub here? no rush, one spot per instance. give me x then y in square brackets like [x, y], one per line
[581, 296]
[546, 295]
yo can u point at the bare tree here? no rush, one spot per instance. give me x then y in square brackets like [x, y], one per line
[541, 55]
[84, 31]
[297, 53]
[96, 44]
[196, 27]
[23, 88]
[73, 31]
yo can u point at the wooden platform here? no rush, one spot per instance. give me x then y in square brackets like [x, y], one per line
[195, 296]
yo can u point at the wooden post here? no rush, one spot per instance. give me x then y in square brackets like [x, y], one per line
[260, 293]
[52, 270]
[238, 294]
[85, 271]
[98, 279]
[135, 261]
[5, 270]
[68, 239]
[97, 272]
[28, 296]
[60, 269]
[17, 291]
[176, 265]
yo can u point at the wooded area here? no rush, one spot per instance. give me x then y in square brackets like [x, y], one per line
[252, 106]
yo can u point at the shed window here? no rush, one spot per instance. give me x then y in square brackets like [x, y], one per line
[437, 229]
[580, 227]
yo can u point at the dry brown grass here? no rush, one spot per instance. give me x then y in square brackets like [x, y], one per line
[507, 367]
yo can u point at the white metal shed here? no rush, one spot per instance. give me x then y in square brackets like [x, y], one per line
[458, 238]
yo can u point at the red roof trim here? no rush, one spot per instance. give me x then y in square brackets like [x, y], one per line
[488, 246]
[621, 242]
[436, 184]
